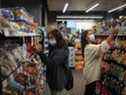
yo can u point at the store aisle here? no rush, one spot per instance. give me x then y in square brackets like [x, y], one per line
[78, 88]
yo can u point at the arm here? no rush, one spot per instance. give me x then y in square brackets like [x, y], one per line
[105, 45]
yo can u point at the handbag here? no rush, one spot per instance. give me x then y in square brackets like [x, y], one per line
[101, 89]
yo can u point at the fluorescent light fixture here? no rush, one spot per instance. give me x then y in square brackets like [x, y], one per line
[94, 6]
[60, 20]
[117, 8]
[65, 7]
[79, 17]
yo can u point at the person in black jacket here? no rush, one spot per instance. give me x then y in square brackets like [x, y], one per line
[57, 62]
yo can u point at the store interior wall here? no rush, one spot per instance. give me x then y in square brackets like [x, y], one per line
[52, 15]
[106, 16]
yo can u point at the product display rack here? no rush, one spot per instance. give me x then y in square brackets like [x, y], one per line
[115, 70]
[79, 60]
[23, 35]
[24, 71]
[102, 36]
[1, 85]
[19, 69]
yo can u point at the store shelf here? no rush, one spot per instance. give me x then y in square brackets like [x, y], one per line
[23, 69]
[116, 63]
[22, 35]
[15, 70]
[106, 35]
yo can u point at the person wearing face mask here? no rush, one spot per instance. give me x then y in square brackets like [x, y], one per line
[57, 62]
[93, 54]
[91, 38]
[52, 44]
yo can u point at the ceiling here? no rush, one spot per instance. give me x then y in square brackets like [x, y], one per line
[13, 3]
[80, 5]
[74, 5]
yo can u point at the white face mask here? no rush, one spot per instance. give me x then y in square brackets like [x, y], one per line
[52, 41]
[92, 37]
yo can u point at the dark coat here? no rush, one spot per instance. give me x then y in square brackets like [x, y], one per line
[55, 74]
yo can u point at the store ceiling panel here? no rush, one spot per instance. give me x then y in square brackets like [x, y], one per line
[12, 3]
[79, 5]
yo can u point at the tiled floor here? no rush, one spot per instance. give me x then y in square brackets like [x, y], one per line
[78, 83]
[78, 88]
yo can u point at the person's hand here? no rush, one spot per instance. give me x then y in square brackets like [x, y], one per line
[110, 40]
[115, 33]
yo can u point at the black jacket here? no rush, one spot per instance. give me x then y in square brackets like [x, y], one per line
[58, 60]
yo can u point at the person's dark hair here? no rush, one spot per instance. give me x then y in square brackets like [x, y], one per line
[84, 41]
[59, 38]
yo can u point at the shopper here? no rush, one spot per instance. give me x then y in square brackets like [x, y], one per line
[57, 62]
[93, 54]
[82, 42]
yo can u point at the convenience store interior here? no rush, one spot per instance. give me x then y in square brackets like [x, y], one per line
[24, 27]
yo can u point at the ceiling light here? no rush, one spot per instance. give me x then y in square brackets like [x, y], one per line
[117, 8]
[65, 7]
[94, 6]
[79, 17]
